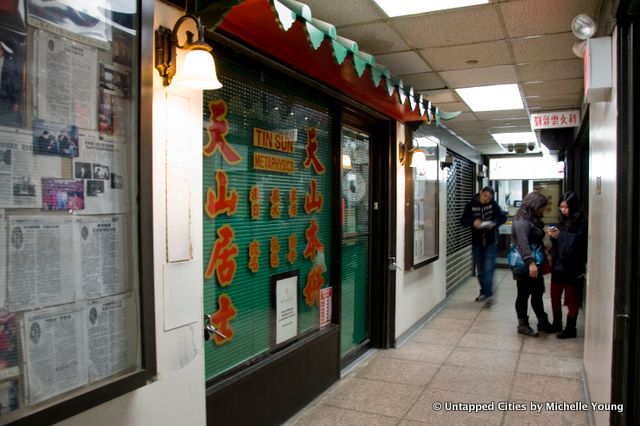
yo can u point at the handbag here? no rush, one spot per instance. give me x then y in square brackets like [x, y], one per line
[518, 265]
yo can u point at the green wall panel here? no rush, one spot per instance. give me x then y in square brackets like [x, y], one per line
[255, 101]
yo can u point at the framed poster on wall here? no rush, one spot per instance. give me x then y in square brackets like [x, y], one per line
[284, 304]
[421, 205]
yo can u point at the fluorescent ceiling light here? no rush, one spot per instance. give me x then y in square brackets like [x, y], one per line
[492, 98]
[411, 7]
[505, 139]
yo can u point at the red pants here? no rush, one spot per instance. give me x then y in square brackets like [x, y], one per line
[570, 298]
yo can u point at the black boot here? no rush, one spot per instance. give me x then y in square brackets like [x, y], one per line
[524, 328]
[544, 324]
[556, 327]
[570, 330]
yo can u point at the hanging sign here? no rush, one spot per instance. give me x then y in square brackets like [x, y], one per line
[555, 119]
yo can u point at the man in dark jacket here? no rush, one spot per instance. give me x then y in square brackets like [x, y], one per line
[483, 215]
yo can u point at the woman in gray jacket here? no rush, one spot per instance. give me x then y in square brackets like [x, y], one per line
[527, 231]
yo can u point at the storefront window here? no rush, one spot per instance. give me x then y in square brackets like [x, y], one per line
[267, 233]
[69, 316]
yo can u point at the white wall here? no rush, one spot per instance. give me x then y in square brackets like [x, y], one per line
[177, 397]
[602, 241]
[420, 290]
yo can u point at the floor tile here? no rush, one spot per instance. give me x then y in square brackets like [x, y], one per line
[531, 387]
[438, 336]
[456, 324]
[545, 365]
[550, 345]
[325, 415]
[375, 397]
[401, 371]
[473, 380]
[494, 342]
[483, 359]
[417, 351]
[425, 409]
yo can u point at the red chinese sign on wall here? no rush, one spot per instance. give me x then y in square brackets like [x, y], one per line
[555, 119]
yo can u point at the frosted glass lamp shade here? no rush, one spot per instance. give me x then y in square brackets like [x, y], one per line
[198, 71]
[418, 159]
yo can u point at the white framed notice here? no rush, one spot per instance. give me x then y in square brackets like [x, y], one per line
[284, 300]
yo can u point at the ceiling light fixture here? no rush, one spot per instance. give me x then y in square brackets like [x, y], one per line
[583, 27]
[411, 7]
[198, 69]
[499, 97]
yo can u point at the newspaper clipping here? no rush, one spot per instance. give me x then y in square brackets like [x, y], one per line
[101, 166]
[20, 171]
[102, 255]
[111, 336]
[41, 262]
[67, 81]
[55, 345]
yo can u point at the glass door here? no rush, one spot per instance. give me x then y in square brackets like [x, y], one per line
[356, 235]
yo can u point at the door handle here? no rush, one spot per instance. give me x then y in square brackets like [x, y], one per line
[210, 329]
[391, 262]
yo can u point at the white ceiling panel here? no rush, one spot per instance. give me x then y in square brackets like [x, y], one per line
[554, 87]
[560, 101]
[536, 17]
[453, 106]
[477, 55]
[552, 70]
[512, 114]
[403, 62]
[440, 96]
[340, 12]
[544, 48]
[375, 38]
[456, 26]
[424, 81]
[480, 76]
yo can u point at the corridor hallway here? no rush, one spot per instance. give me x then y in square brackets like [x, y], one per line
[466, 353]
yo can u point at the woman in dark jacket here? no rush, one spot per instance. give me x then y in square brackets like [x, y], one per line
[527, 231]
[569, 256]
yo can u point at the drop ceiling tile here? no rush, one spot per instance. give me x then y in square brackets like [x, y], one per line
[553, 87]
[340, 12]
[512, 129]
[440, 96]
[465, 116]
[452, 106]
[544, 48]
[423, 81]
[400, 63]
[469, 124]
[506, 123]
[375, 38]
[460, 26]
[480, 76]
[511, 114]
[536, 17]
[552, 70]
[456, 57]
[553, 102]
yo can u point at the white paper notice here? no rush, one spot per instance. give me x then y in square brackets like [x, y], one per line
[286, 309]
[41, 262]
[20, 171]
[55, 344]
[67, 81]
[101, 255]
[101, 166]
[111, 335]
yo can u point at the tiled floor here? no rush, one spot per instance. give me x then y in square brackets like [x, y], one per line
[468, 353]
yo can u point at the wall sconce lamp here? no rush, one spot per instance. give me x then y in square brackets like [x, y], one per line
[346, 161]
[198, 68]
[447, 161]
[583, 27]
[416, 154]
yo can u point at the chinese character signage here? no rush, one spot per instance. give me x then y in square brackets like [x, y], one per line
[267, 224]
[555, 119]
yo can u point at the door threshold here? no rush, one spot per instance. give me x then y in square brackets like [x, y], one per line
[357, 362]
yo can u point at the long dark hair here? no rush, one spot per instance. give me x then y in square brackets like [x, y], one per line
[531, 203]
[575, 214]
